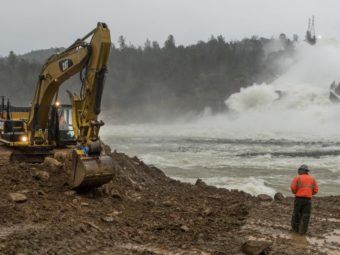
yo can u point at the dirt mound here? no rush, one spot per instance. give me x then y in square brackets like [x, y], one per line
[142, 211]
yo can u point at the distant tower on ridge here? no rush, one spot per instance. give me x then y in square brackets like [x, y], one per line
[310, 34]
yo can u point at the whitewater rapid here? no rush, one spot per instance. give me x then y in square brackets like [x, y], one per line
[257, 145]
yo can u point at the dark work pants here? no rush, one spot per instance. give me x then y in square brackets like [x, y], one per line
[301, 214]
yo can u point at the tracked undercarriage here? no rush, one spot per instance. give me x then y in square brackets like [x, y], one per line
[86, 173]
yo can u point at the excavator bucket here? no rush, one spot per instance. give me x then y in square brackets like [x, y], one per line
[90, 172]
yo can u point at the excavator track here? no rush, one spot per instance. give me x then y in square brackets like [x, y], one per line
[9, 154]
[85, 173]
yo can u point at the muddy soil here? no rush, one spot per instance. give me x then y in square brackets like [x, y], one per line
[142, 211]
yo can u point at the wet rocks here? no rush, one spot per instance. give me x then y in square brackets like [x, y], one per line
[254, 247]
[264, 198]
[17, 197]
[279, 196]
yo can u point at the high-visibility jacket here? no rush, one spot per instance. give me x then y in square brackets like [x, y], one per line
[304, 185]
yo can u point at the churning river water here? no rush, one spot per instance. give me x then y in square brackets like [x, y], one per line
[258, 144]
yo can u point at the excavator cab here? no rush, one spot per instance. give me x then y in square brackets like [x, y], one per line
[66, 132]
[13, 130]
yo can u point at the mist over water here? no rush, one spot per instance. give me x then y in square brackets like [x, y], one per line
[304, 109]
[257, 145]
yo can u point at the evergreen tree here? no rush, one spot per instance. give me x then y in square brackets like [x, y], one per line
[12, 59]
[170, 42]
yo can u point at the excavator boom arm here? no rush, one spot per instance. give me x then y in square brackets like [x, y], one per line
[92, 57]
[86, 106]
[56, 70]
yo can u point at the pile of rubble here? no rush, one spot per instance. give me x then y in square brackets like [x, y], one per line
[142, 211]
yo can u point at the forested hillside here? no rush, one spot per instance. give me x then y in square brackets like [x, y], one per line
[163, 80]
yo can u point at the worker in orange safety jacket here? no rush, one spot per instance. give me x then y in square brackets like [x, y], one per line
[304, 186]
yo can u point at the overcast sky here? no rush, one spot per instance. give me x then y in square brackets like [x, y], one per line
[38, 24]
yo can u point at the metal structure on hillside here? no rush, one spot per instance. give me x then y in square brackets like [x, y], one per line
[310, 34]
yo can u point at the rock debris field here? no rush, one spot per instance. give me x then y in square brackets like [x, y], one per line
[142, 211]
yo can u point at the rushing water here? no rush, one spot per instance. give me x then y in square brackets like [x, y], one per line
[258, 144]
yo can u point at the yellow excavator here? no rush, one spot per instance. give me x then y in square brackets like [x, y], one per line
[47, 125]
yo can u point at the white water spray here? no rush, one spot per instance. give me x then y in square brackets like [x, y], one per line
[269, 130]
[297, 104]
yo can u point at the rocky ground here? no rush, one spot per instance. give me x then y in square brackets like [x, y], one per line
[144, 212]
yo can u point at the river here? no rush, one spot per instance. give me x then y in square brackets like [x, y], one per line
[258, 144]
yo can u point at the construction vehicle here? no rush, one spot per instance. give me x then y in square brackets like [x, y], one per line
[38, 131]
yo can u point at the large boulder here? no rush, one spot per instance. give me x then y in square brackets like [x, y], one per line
[52, 163]
[264, 198]
[279, 196]
[254, 247]
[17, 197]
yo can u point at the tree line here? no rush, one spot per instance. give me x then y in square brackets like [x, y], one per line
[167, 80]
